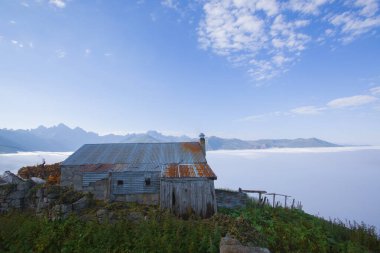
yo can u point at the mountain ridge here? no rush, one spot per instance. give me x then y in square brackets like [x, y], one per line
[64, 138]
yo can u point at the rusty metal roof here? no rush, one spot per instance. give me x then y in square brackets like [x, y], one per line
[135, 154]
[188, 170]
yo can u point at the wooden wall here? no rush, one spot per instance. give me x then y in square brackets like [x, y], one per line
[184, 196]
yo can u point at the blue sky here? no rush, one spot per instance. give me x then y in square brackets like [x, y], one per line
[247, 69]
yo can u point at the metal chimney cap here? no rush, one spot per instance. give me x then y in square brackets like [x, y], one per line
[202, 135]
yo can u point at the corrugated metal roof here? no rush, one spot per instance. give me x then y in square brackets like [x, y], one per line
[188, 170]
[118, 167]
[137, 154]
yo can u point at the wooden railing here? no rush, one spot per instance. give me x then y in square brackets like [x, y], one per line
[265, 200]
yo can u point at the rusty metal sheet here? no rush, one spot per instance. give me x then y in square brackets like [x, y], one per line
[188, 170]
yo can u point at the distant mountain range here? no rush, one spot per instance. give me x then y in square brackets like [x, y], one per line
[64, 138]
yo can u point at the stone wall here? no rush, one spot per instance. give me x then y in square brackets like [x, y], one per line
[71, 176]
[231, 199]
[53, 201]
[14, 196]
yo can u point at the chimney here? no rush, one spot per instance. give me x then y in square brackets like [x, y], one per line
[202, 141]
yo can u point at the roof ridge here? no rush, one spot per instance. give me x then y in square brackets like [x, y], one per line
[113, 143]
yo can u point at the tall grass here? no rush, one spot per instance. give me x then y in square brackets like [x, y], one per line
[281, 230]
[292, 230]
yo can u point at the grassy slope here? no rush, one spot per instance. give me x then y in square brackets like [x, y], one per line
[281, 230]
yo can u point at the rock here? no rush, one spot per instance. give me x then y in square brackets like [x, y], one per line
[66, 209]
[231, 245]
[16, 203]
[81, 204]
[53, 195]
[41, 205]
[25, 185]
[17, 195]
[61, 211]
[102, 215]
[40, 193]
[55, 212]
[134, 216]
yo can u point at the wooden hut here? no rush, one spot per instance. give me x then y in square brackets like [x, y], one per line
[175, 175]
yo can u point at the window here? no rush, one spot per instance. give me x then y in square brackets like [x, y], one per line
[147, 181]
[120, 182]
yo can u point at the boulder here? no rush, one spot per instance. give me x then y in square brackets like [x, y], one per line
[102, 215]
[17, 195]
[81, 204]
[231, 245]
[53, 195]
[40, 193]
[61, 211]
[135, 216]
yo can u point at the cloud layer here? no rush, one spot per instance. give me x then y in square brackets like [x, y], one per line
[58, 3]
[351, 101]
[338, 103]
[268, 36]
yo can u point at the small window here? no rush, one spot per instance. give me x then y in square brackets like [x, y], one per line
[147, 181]
[120, 182]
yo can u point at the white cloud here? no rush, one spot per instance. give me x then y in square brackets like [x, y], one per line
[360, 19]
[375, 90]
[58, 3]
[107, 54]
[253, 34]
[269, 6]
[173, 4]
[308, 110]
[260, 117]
[60, 53]
[17, 43]
[351, 101]
[25, 4]
[306, 6]
[268, 36]
[369, 7]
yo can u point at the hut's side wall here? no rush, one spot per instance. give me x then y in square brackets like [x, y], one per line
[185, 196]
[71, 176]
[141, 198]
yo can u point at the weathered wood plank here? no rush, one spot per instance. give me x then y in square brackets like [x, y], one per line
[184, 197]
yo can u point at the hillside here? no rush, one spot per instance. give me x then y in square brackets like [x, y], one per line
[50, 218]
[64, 138]
[128, 227]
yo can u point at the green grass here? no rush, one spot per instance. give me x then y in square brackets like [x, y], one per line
[279, 229]
[286, 230]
